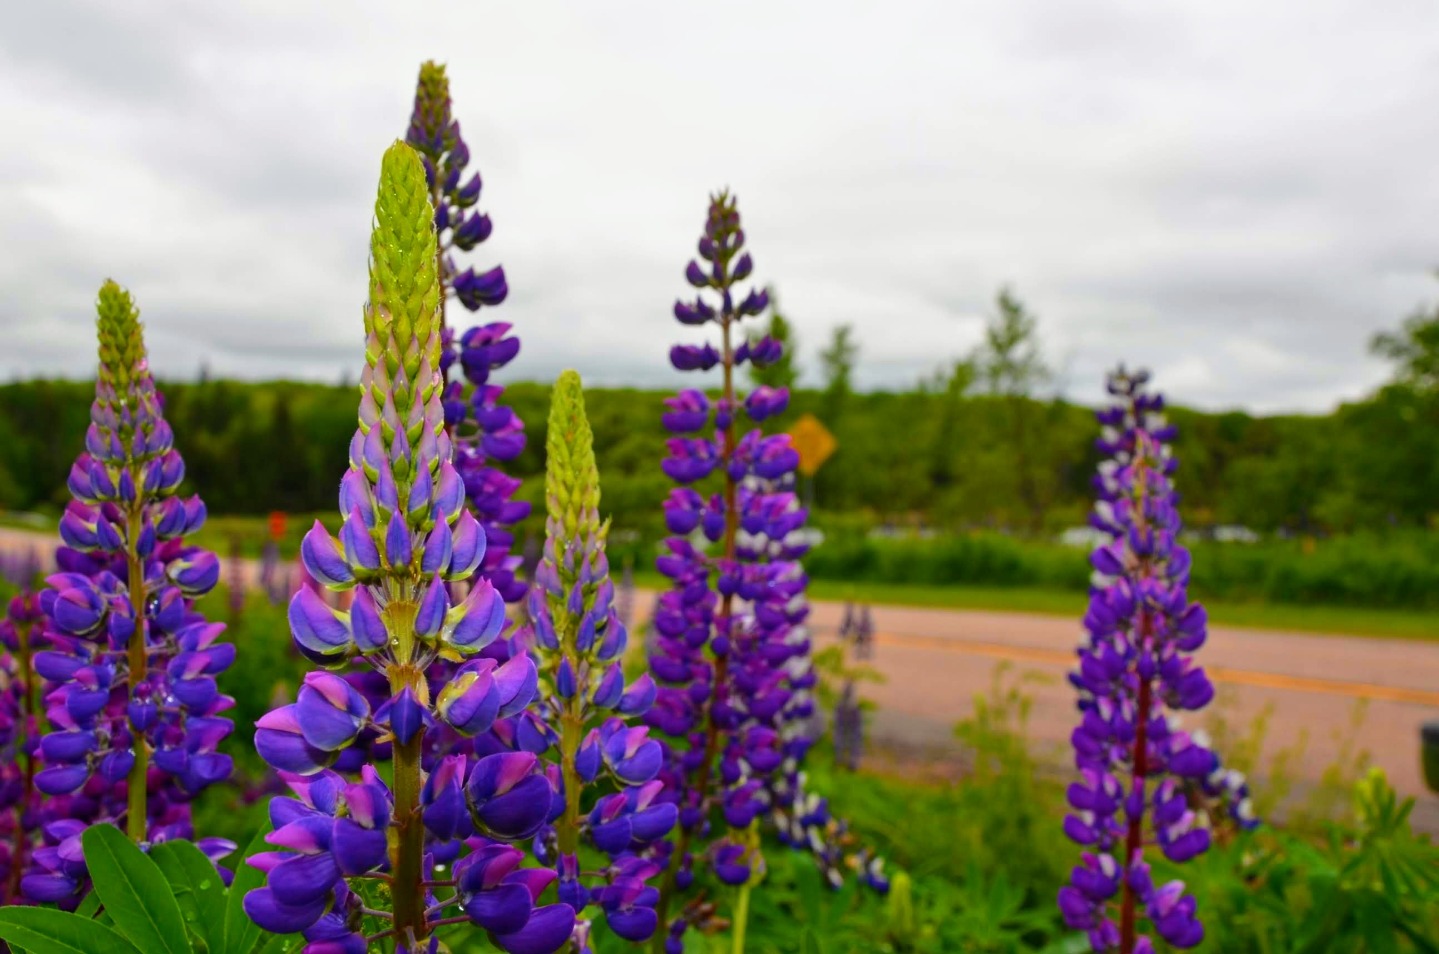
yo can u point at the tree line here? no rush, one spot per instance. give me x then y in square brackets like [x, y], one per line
[978, 445]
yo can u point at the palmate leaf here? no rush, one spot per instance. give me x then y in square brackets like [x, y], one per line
[134, 891]
[47, 931]
[242, 934]
[198, 889]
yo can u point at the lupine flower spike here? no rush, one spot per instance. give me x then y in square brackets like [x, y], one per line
[483, 430]
[20, 704]
[730, 649]
[133, 709]
[356, 859]
[607, 766]
[1143, 779]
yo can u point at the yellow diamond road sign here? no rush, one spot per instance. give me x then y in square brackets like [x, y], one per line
[814, 443]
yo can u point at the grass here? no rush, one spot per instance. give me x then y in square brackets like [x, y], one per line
[221, 532]
[1328, 620]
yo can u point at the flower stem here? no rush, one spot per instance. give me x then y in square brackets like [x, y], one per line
[741, 920]
[136, 813]
[721, 666]
[1134, 840]
[1133, 845]
[407, 890]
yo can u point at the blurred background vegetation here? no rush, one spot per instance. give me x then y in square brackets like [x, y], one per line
[970, 478]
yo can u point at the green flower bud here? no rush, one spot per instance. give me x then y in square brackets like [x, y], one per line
[572, 479]
[401, 381]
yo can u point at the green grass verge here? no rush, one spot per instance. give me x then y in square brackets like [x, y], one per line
[1330, 620]
[251, 532]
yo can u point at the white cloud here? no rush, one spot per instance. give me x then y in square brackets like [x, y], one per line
[1237, 195]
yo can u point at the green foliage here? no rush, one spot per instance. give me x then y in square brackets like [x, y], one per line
[1396, 569]
[783, 373]
[942, 457]
[1368, 886]
[171, 901]
[199, 892]
[47, 931]
[838, 360]
[1414, 348]
[134, 892]
[974, 861]
[1012, 368]
[242, 934]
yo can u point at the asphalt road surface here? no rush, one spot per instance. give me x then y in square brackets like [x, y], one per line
[1327, 697]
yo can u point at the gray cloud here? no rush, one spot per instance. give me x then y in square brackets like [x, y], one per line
[1235, 195]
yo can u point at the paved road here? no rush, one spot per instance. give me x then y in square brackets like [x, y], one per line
[1324, 693]
[1320, 690]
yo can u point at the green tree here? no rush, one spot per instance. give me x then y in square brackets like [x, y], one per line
[783, 373]
[838, 361]
[950, 385]
[1397, 471]
[1012, 367]
[1414, 348]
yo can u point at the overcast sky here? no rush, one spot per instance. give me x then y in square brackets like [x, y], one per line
[1236, 194]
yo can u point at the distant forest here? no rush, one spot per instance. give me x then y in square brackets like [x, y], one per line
[951, 461]
[975, 447]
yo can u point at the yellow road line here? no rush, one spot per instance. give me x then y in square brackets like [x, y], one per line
[1238, 677]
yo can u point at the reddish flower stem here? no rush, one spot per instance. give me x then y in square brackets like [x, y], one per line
[721, 666]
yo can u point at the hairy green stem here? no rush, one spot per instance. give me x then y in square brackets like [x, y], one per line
[136, 813]
[571, 730]
[408, 851]
[741, 920]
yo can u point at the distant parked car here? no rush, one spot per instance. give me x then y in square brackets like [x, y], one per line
[1086, 537]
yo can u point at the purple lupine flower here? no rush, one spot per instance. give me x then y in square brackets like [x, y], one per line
[235, 579]
[408, 548]
[274, 579]
[484, 431]
[730, 649]
[848, 716]
[1136, 672]
[133, 710]
[21, 566]
[20, 803]
[848, 728]
[576, 634]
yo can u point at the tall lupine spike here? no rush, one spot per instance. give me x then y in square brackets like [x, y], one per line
[338, 833]
[20, 709]
[578, 638]
[731, 650]
[485, 432]
[134, 717]
[1143, 780]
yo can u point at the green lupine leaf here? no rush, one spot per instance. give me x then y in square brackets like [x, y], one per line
[281, 944]
[134, 892]
[198, 888]
[47, 931]
[1376, 923]
[89, 905]
[809, 944]
[242, 934]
